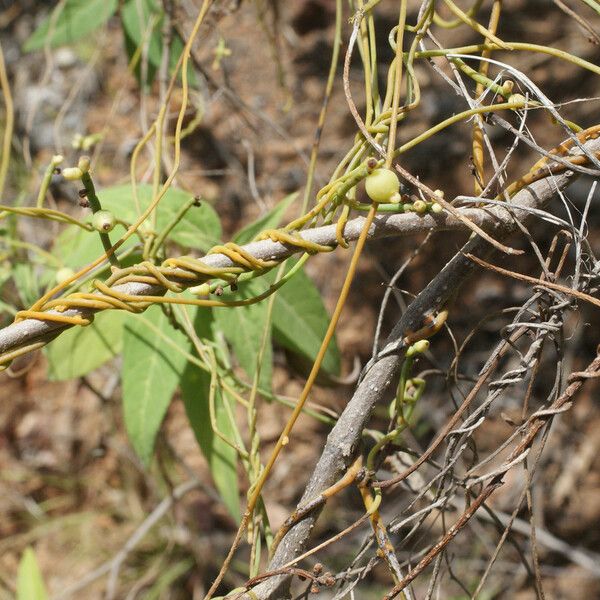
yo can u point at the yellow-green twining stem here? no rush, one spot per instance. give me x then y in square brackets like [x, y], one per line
[331, 193]
[284, 436]
[338, 193]
[183, 62]
[208, 362]
[576, 60]
[9, 121]
[134, 303]
[478, 155]
[157, 171]
[42, 213]
[162, 236]
[203, 363]
[474, 24]
[46, 180]
[255, 466]
[381, 125]
[413, 88]
[593, 4]
[397, 69]
[440, 22]
[238, 443]
[479, 78]
[95, 205]
[373, 52]
[364, 48]
[455, 119]
[337, 42]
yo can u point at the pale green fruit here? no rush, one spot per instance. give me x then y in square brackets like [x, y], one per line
[64, 274]
[381, 185]
[103, 221]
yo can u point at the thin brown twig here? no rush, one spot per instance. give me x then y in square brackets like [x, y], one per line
[535, 280]
[536, 422]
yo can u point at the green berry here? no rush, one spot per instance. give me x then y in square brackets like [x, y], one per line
[381, 185]
[103, 221]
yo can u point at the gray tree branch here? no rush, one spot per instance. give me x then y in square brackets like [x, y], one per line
[494, 218]
[344, 439]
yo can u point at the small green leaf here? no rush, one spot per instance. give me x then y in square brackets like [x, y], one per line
[77, 19]
[300, 321]
[150, 373]
[200, 227]
[30, 585]
[243, 327]
[221, 457]
[270, 220]
[80, 350]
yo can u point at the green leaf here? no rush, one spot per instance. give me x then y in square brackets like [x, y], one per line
[76, 247]
[137, 17]
[26, 282]
[221, 457]
[300, 321]
[199, 228]
[30, 585]
[77, 19]
[150, 373]
[80, 350]
[270, 220]
[243, 327]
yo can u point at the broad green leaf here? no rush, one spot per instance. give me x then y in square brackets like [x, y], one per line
[243, 327]
[76, 247]
[150, 373]
[142, 24]
[77, 19]
[80, 350]
[199, 228]
[221, 457]
[300, 321]
[26, 282]
[270, 220]
[140, 20]
[30, 585]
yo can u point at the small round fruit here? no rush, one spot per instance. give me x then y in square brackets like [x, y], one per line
[64, 274]
[420, 207]
[103, 221]
[381, 185]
